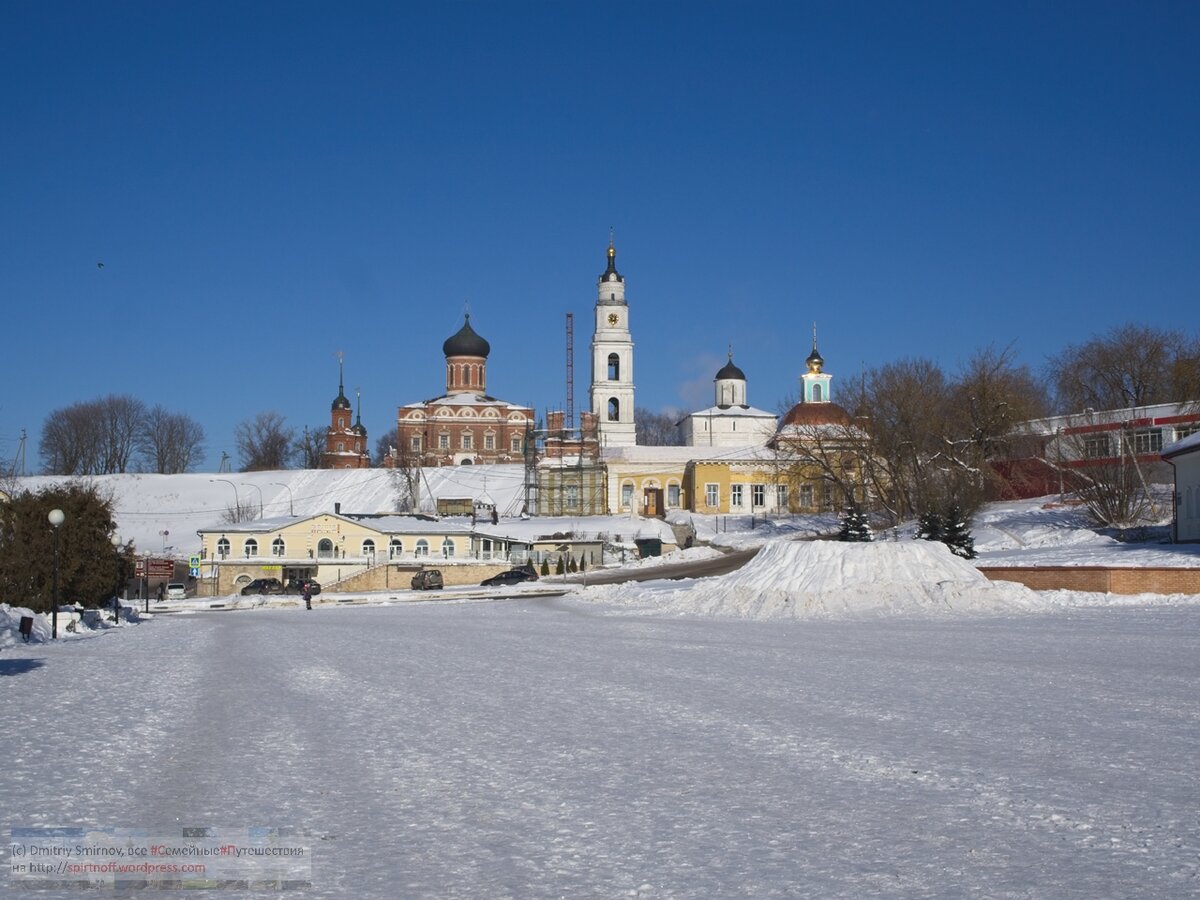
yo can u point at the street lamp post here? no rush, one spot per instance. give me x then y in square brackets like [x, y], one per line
[57, 517]
[116, 542]
[291, 506]
[260, 499]
[237, 501]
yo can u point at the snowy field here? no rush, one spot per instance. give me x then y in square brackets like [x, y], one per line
[540, 749]
[831, 720]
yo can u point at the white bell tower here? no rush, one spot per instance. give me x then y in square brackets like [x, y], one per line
[612, 360]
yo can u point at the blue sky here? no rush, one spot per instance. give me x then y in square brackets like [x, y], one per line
[267, 184]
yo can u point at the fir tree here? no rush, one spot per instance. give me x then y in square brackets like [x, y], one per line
[561, 568]
[956, 535]
[855, 526]
[930, 526]
[545, 567]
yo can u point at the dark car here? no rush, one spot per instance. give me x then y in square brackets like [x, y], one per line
[296, 586]
[263, 586]
[512, 576]
[427, 580]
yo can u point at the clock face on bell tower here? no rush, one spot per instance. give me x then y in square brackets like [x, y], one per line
[613, 318]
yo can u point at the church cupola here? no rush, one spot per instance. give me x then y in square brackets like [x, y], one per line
[340, 401]
[814, 384]
[611, 285]
[466, 360]
[730, 385]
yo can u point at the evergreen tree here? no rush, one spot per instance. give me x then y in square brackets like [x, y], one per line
[89, 567]
[561, 568]
[855, 526]
[957, 536]
[545, 567]
[930, 526]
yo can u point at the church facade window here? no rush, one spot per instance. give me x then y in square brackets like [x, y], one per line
[712, 496]
[444, 440]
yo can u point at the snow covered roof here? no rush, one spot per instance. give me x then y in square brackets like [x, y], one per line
[462, 400]
[680, 455]
[740, 412]
[1187, 445]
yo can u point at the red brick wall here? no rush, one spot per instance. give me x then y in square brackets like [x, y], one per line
[1100, 579]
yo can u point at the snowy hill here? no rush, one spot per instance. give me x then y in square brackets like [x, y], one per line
[147, 505]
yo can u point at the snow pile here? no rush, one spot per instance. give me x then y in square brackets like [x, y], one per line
[10, 625]
[832, 579]
[71, 623]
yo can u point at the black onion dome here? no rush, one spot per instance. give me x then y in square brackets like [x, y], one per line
[611, 273]
[466, 342]
[815, 359]
[729, 370]
[340, 401]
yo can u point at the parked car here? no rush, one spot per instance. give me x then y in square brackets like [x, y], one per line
[176, 590]
[296, 586]
[427, 580]
[512, 576]
[263, 586]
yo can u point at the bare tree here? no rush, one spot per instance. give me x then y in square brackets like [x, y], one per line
[170, 442]
[69, 441]
[310, 445]
[124, 421]
[657, 429]
[265, 442]
[1132, 365]
[96, 437]
[1099, 466]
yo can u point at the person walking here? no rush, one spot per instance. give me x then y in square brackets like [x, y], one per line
[307, 595]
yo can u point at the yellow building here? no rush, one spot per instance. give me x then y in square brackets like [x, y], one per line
[329, 548]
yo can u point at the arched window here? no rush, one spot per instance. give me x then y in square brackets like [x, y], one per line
[395, 548]
[447, 549]
[324, 548]
[368, 548]
[223, 548]
[277, 547]
[614, 410]
[614, 367]
[250, 547]
[816, 393]
[422, 548]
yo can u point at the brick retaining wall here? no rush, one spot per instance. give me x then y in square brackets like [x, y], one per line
[1101, 579]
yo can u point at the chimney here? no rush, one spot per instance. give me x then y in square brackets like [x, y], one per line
[337, 509]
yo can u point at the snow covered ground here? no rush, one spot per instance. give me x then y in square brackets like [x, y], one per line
[537, 749]
[832, 720]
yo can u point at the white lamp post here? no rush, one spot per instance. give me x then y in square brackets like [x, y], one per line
[57, 517]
